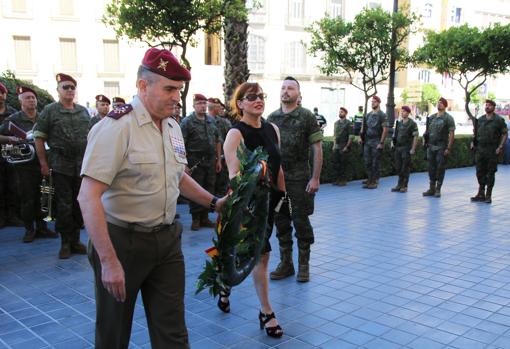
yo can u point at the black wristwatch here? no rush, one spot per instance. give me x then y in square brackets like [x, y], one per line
[212, 204]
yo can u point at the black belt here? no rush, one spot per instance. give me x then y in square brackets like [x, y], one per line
[139, 228]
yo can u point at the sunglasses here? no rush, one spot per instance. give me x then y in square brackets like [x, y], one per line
[69, 87]
[252, 97]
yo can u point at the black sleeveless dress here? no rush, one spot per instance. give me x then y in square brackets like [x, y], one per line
[266, 137]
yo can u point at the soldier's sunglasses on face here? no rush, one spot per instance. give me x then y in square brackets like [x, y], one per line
[252, 97]
[69, 87]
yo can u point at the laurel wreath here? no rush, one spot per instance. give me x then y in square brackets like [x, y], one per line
[241, 226]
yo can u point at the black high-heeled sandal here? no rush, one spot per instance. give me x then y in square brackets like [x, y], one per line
[274, 331]
[224, 305]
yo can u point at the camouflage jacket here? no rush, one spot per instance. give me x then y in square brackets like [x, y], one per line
[200, 136]
[223, 126]
[405, 133]
[8, 111]
[94, 120]
[298, 131]
[343, 130]
[376, 121]
[65, 131]
[439, 129]
[490, 131]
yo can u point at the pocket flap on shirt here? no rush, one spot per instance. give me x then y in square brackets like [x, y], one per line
[143, 158]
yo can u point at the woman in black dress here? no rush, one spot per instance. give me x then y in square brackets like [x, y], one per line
[248, 104]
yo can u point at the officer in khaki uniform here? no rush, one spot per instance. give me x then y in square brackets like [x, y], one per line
[405, 138]
[28, 172]
[102, 107]
[342, 140]
[440, 133]
[491, 135]
[64, 125]
[203, 149]
[223, 125]
[299, 132]
[133, 173]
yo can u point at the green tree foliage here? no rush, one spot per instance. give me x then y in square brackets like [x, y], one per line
[11, 82]
[469, 55]
[170, 23]
[361, 49]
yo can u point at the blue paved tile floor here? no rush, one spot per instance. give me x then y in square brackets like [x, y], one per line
[389, 270]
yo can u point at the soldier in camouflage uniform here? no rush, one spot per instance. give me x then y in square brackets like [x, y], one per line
[102, 107]
[441, 135]
[404, 143]
[203, 151]
[223, 125]
[491, 135]
[299, 133]
[374, 131]
[28, 173]
[342, 139]
[8, 193]
[64, 125]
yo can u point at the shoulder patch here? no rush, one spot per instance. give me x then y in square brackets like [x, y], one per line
[120, 111]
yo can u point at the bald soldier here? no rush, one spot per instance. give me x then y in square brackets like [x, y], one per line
[133, 172]
[102, 107]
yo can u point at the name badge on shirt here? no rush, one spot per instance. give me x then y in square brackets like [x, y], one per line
[179, 149]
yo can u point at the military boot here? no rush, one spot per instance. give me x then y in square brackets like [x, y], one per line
[195, 221]
[431, 191]
[29, 233]
[65, 248]
[304, 267]
[403, 189]
[399, 185]
[205, 222]
[437, 192]
[286, 267]
[42, 231]
[488, 195]
[480, 196]
[373, 184]
[76, 245]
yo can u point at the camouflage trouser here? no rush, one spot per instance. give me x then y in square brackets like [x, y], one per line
[30, 192]
[340, 163]
[372, 158]
[68, 216]
[437, 164]
[302, 207]
[486, 165]
[9, 196]
[403, 161]
[205, 175]
[221, 184]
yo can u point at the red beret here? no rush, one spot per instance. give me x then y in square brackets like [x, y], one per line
[102, 98]
[61, 77]
[490, 101]
[118, 100]
[164, 63]
[406, 108]
[3, 89]
[199, 97]
[214, 100]
[443, 101]
[345, 110]
[23, 89]
[377, 99]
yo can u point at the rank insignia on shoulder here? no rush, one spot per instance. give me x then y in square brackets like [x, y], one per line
[120, 111]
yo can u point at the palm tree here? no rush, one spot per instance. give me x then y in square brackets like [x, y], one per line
[236, 52]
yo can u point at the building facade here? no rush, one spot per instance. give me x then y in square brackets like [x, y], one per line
[42, 38]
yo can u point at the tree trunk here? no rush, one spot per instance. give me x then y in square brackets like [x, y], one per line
[236, 55]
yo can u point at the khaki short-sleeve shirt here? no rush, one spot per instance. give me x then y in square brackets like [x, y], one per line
[142, 166]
